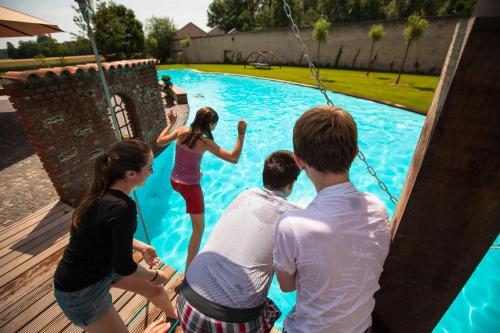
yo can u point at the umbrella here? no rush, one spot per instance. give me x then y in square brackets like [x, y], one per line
[16, 24]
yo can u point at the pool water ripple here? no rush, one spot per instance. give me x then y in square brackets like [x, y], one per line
[387, 136]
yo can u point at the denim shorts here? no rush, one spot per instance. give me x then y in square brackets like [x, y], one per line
[85, 306]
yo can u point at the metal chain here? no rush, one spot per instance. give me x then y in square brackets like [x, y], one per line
[323, 90]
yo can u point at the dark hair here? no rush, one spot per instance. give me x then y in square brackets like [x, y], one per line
[205, 117]
[280, 170]
[326, 138]
[108, 168]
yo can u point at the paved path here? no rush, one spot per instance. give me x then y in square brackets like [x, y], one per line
[24, 184]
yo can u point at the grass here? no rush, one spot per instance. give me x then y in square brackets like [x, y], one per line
[414, 92]
[25, 64]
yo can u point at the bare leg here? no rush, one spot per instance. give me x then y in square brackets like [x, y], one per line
[155, 294]
[198, 223]
[110, 322]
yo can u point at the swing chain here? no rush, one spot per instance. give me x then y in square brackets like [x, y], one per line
[321, 87]
[312, 68]
[372, 172]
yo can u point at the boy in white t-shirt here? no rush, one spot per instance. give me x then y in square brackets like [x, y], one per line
[333, 251]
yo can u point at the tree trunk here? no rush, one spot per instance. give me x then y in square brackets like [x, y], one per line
[404, 60]
[370, 59]
[317, 61]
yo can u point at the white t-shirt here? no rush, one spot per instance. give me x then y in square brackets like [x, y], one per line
[235, 267]
[338, 246]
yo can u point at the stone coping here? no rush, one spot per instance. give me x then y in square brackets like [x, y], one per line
[76, 70]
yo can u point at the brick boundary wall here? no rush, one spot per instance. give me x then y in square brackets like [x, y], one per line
[64, 113]
[348, 46]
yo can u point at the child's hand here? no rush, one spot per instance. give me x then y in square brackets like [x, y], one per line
[150, 256]
[172, 117]
[242, 126]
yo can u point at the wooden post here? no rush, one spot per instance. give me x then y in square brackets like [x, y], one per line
[449, 211]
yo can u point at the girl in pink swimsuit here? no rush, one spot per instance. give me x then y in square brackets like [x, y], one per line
[192, 143]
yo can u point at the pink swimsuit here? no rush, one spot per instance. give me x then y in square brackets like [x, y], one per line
[187, 166]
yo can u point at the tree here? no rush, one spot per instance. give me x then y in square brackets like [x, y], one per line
[320, 34]
[117, 31]
[457, 7]
[279, 16]
[310, 16]
[27, 49]
[376, 33]
[81, 45]
[415, 29]
[78, 19]
[264, 15]
[229, 14]
[336, 10]
[151, 47]
[11, 50]
[160, 32]
[185, 44]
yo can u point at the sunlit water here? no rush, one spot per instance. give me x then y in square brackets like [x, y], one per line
[387, 136]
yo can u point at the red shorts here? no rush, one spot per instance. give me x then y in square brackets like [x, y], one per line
[193, 195]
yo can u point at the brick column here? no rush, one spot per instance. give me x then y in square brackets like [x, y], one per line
[64, 113]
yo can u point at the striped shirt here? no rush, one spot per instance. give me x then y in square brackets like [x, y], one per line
[235, 268]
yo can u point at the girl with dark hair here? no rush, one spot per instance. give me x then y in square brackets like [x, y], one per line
[192, 142]
[99, 254]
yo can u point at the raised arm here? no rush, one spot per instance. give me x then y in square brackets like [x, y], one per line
[234, 155]
[165, 138]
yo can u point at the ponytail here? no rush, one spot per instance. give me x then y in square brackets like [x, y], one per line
[108, 168]
[99, 185]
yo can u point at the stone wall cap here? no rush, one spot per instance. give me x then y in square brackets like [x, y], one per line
[76, 70]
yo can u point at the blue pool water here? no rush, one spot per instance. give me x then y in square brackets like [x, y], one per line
[387, 136]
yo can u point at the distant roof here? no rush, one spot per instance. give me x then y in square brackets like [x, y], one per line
[189, 30]
[232, 31]
[217, 30]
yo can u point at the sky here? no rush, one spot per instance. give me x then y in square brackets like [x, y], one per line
[59, 12]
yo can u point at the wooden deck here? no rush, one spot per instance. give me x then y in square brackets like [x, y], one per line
[29, 252]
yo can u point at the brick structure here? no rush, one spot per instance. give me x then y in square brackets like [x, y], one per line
[66, 116]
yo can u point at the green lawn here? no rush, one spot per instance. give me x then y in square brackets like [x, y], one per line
[414, 91]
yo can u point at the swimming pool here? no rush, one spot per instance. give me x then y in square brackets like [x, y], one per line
[387, 136]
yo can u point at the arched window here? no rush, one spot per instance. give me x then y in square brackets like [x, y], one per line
[127, 128]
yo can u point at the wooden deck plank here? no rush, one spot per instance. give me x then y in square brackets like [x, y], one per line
[40, 320]
[137, 302]
[35, 317]
[61, 322]
[24, 262]
[153, 312]
[28, 282]
[31, 220]
[26, 300]
[27, 249]
[26, 316]
[35, 231]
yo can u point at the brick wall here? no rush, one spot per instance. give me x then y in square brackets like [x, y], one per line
[64, 113]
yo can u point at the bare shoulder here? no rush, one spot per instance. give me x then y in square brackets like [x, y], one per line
[207, 142]
[182, 131]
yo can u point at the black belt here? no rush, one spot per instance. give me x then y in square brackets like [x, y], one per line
[217, 311]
